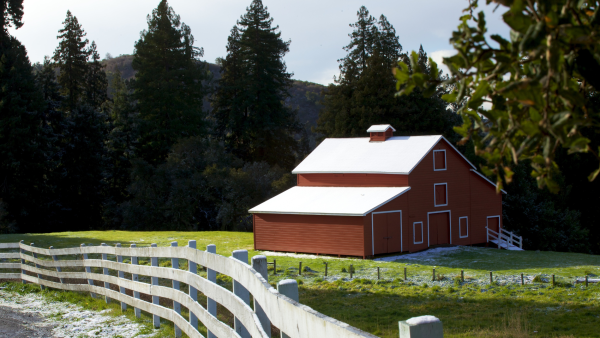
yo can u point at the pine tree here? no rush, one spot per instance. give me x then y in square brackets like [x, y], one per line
[387, 43]
[228, 101]
[363, 39]
[81, 169]
[256, 125]
[71, 57]
[363, 94]
[120, 150]
[21, 142]
[12, 15]
[169, 84]
[96, 83]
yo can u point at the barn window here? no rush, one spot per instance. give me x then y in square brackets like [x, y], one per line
[439, 160]
[441, 194]
[418, 232]
[463, 227]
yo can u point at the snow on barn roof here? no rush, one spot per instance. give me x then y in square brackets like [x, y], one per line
[331, 201]
[397, 155]
[379, 128]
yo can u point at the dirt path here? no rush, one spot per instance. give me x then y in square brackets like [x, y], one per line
[32, 315]
[17, 324]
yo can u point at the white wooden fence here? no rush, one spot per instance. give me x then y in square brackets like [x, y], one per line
[292, 318]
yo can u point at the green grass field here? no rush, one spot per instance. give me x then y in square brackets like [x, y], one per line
[472, 309]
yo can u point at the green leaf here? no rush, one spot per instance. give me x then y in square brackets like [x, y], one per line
[594, 175]
[450, 97]
[517, 21]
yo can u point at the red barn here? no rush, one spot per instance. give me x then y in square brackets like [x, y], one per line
[379, 195]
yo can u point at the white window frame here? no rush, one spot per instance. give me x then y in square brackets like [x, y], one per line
[422, 234]
[487, 222]
[449, 221]
[445, 160]
[434, 195]
[373, 229]
[459, 232]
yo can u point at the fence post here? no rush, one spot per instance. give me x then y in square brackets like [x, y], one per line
[325, 269]
[462, 276]
[58, 268]
[154, 262]
[135, 278]
[405, 273]
[242, 293]
[176, 305]
[522, 280]
[22, 261]
[491, 278]
[211, 275]
[39, 275]
[88, 270]
[300, 269]
[377, 273]
[433, 280]
[289, 288]
[192, 290]
[121, 274]
[259, 263]
[105, 271]
[351, 271]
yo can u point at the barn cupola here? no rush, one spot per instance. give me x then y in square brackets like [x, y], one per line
[380, 132]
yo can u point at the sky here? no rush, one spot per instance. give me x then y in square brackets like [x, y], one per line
[318, 29]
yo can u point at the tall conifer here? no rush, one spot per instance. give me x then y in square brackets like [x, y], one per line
[71, 56]
[257, 125]
[363, 94]
[96, 83]
[120, 150]
[169, 85]
[21, 143]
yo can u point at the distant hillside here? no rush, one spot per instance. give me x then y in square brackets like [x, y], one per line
[305, 96]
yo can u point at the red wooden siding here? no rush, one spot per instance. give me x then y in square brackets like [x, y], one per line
[378, 137]
[467, 195]
[335, 235]
[488, 203]
[352, 180]
[392, 226]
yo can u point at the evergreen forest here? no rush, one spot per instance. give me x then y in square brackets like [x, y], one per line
[164, 140]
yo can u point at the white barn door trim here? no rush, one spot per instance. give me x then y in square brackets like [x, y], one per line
[373, 231]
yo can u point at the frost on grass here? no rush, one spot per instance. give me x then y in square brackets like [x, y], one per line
[70, 320]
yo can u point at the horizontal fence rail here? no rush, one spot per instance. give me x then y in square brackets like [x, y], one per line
[291, 317]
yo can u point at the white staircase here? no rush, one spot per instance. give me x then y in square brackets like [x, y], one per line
[505, 239]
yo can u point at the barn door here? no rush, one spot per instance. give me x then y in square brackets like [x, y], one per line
[386, 232]
[393, 231]
[380, 235]
[493, 223]
[439, 225]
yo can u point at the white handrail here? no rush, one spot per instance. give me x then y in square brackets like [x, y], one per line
[504, 236]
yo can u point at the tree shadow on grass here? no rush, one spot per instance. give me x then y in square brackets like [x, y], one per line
[468, 316]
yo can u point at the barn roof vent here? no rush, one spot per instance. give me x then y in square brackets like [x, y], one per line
[380, 132]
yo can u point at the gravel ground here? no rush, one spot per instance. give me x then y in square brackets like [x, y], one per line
[32, 315]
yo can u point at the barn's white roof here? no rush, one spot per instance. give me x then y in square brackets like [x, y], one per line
[379, 128]
[397, 155]
[331, 201]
